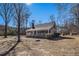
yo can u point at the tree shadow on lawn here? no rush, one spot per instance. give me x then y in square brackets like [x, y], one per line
[60, 38]
[7, 52]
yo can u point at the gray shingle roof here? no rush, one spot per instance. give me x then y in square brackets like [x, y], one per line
[44, 26]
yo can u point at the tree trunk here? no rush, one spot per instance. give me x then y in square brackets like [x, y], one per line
[5, 34]
[19, 30]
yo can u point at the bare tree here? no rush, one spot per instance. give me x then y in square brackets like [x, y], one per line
[6, 13]
[20, 15]
[59, 11]
[63, 12]
[52, 18]
[63, 16]
[75, 12]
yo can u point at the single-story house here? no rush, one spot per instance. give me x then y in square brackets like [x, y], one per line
[41, 30]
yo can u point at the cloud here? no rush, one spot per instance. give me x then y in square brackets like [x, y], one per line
[28, 4]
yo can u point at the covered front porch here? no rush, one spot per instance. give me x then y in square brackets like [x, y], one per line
[38, 33]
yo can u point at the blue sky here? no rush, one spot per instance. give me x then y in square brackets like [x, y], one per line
[40, 12]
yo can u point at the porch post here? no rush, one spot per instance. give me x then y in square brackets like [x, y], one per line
[48, 31]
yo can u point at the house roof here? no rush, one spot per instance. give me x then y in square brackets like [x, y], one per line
[44, 26]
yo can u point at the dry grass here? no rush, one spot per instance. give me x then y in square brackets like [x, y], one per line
[68, 46]
[6, 44]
